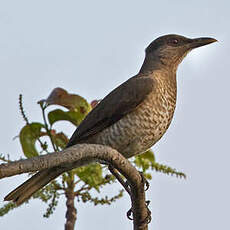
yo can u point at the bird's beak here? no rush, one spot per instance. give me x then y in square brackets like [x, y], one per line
[197, 42]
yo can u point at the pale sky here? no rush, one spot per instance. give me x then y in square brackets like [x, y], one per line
[89, 48]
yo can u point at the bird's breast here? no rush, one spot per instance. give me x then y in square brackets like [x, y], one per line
[142, 128]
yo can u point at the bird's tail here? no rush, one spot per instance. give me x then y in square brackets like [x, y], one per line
[32, 185]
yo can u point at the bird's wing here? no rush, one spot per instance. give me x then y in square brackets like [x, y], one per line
[121, 101]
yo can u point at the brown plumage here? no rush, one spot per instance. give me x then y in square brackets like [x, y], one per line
[135, 115]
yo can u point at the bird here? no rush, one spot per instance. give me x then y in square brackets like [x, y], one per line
[133, 116]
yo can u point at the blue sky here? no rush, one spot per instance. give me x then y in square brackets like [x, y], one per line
[89, 48]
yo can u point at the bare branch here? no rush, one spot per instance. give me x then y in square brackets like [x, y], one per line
[83, 154]
[80, 155]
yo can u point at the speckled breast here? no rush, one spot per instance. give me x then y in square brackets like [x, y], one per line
[142, 128]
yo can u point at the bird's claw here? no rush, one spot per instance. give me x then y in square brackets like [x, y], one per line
[148, 218]
[144, 181]
[129, 214]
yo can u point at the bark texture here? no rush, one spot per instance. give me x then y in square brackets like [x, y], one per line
[71, 213]
[83, 154]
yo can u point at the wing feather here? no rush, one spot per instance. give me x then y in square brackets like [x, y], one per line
[121, 101]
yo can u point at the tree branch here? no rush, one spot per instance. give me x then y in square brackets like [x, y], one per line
[83, 154]
[71, 213]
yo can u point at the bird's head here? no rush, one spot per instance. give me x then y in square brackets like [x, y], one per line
[169, 50]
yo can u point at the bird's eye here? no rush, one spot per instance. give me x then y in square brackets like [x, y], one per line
[175, 41]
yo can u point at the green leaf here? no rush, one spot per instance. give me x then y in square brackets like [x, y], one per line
[28, 136]
[75, 117]
[145, 160]
[90, 174]
[60, 139]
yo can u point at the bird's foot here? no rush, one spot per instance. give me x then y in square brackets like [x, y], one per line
[129, 214]
[148, 218]
[144, 181]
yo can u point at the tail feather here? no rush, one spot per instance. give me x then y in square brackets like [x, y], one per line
[32, 185]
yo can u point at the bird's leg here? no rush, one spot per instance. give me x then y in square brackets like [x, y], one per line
[144, 181]
[126, 186]
[115, 172]
[120, 179]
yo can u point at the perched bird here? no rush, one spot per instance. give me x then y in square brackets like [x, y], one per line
[135, 115]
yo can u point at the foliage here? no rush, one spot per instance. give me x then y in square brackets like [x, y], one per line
[6, 208]
[28, 136]
[82, 180]
[147, 161]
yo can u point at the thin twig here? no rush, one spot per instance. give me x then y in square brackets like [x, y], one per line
[22, 110]
[27, 120]
[47, 127]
